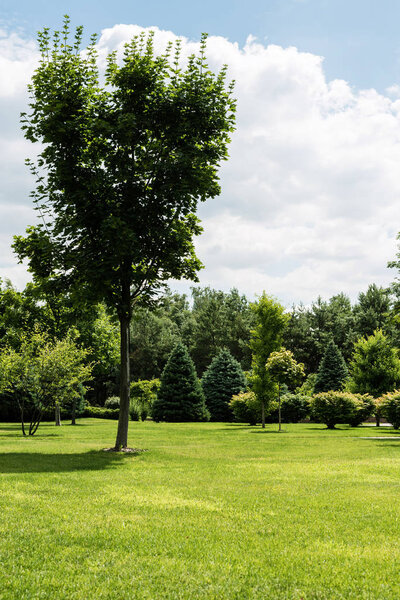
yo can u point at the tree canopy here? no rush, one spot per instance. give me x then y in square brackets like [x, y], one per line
[121, 171]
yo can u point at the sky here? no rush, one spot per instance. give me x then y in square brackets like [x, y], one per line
[310, 195]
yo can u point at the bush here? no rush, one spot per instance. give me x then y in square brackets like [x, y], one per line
[333, 407]
[112, 402]
[391, 408]
[246, 408]
[143, 396]
[223, 379]
[365, 407]
[101, 413]
[295, 408]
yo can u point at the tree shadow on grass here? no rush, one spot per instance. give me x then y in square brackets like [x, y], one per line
[34, 462]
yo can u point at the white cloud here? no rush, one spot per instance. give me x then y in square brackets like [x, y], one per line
[310, 200]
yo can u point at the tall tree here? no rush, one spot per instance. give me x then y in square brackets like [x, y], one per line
[223, 379]
[266, 337]
[375, 366]
[122, 170]
[332, 371]
[180, 397]
[372, 310]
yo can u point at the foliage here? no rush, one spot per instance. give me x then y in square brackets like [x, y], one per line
[284, 369]
[307, 387]
[121, 171]
[112, 402]
[390, 407]
[99, 412]
[143, 396]
[223, 379]
[332, 371]
[333, 407]
[246, 408]
[295, 407]
[180, 397]
[44, 373]
[266, 337]
[231, 319]
[365, 407]
[375, 366]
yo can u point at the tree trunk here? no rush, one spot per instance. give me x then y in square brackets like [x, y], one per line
[378, 420]
[73, 415]
[279, 407]
[123, 420]
[57, 415]
[263, 414]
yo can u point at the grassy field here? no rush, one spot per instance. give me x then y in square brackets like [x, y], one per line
[210, 511]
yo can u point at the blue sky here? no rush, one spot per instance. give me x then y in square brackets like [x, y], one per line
[310, 195]
[358, 38]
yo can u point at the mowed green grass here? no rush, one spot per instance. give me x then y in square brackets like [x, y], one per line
[210, 511]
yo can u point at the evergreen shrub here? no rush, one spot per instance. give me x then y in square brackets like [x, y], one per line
[295, 408]
[332, 371]
[223, 379]
[180, 397]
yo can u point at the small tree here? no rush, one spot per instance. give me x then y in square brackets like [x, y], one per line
[266, 337]
[332, 371]
[283, 369]
[44, 374]
[375, 366]
[223, 379]
[180, 397]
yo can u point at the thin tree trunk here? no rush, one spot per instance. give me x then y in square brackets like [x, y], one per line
[263, 414]
[279, 407]
[73, 416]
[57, 415]
[123, 420]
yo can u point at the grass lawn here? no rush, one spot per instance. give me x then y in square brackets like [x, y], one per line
[210, 511]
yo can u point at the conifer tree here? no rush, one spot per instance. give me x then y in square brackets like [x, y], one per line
[332, 370]
[223, 379]
[180, 397]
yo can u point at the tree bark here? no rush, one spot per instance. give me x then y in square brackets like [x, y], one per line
[123, 420]
[263, 414]
[279, 407]
[57, 415]
[73, 415]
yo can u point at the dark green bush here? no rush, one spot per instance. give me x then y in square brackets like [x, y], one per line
[223, 379]
[101, 413]
[333, 407]
[112, 402]
[391, 408]
[295, 408]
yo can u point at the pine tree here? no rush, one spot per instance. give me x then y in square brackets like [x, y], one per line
[223, 379]
[332, 370]
[180, 397]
